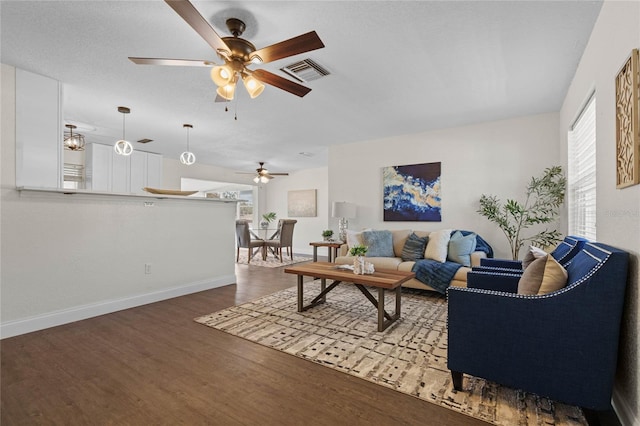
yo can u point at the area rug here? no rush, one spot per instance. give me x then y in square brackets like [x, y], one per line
[410, 356]
[271, 261]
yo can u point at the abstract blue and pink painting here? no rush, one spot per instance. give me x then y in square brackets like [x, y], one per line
[412, 192]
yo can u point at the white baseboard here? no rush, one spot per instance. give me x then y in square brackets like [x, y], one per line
[623, 410]
[77, 313]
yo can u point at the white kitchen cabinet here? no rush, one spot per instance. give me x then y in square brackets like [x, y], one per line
[138, 171]
[108, 171]
[38, 131]
[154, 170]
[98, 167]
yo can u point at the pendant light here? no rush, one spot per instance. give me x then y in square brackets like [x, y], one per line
[123, 146]
[73, 142]
[187, 158]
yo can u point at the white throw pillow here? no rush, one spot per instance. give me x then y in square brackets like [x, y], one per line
[533, 254]
[354, 238]
[438, 245]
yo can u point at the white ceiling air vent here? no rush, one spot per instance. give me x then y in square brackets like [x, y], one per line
[305, 70]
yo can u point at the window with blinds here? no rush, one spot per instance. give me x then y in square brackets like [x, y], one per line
[581, 178]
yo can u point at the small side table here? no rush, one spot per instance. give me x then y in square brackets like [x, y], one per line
[332, 247]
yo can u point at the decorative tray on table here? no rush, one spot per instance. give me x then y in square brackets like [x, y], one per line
[168, 191]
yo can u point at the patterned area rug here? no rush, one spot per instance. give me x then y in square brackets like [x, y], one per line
[410, 356]
[271, 261]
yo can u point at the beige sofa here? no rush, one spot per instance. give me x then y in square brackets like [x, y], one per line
[399, 238]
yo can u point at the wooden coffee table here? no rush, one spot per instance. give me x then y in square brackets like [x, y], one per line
[382, 279]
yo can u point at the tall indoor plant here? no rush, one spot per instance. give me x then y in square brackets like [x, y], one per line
[542, 203]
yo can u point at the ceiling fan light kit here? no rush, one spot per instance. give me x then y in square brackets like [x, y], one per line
[227, 91]
[237, 53]
[73, 142]
[263, 175]
[222, 75]
[253, 85]
[187, 158]
[123, 146]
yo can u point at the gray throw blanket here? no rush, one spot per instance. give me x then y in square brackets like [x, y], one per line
[436, 274]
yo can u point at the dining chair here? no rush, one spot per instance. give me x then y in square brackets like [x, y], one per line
[282, 238]
[244, 240]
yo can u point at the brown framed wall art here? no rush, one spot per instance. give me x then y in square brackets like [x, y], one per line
[628, 123]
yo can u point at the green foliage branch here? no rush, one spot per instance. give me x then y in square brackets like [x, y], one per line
[544, 197]
[269, 216]
[358, 250]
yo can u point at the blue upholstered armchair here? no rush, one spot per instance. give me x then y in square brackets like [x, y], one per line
[562, 345]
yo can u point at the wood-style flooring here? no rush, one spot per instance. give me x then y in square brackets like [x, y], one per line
[153, 365]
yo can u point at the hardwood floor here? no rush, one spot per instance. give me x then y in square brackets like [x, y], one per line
[155, 365]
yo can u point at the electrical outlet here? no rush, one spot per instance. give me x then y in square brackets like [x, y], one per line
[149, 204]
[147, 268]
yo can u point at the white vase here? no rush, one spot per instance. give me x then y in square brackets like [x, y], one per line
[358, 265]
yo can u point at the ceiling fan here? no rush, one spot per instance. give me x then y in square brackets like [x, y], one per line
[237, 54]
[263, 175]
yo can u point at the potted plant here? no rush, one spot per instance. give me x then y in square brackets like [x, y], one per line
[544, 197]
[267, 218]
[327, 234]
[358, 251]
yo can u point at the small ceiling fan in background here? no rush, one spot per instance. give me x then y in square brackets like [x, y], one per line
[263, 175]
[237, 54]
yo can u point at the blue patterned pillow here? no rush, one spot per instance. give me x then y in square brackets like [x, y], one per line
[414, 248]
[461, 247]
[379, 243]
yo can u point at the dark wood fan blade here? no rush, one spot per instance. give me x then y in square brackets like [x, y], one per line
[279, 174]
[293, 46]
[189, 13]
[172, 62]
[280, 82]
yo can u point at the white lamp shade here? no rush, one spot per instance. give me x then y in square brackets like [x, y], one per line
[221, 75]
[343, 209]
[254, 87]
[227, 91]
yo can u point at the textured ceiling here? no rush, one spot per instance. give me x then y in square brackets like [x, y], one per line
[396, 68]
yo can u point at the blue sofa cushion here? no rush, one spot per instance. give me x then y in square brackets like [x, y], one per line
[414, 248]
[461, 247]
[379, 243]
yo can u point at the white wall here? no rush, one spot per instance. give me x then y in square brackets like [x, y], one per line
[69, 257]
[307, 229]
[491, 158]
[616, 32]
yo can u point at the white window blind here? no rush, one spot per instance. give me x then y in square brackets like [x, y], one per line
[582, 173]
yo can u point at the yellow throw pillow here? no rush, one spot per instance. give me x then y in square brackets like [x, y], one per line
[544, 275]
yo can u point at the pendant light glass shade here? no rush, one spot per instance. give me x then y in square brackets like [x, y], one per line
[123, 146]
[73, 142]
[187, 158]
[227, 91]
[254, 86]
[222, 75]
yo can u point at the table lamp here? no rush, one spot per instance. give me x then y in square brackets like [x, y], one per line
[344, 211]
